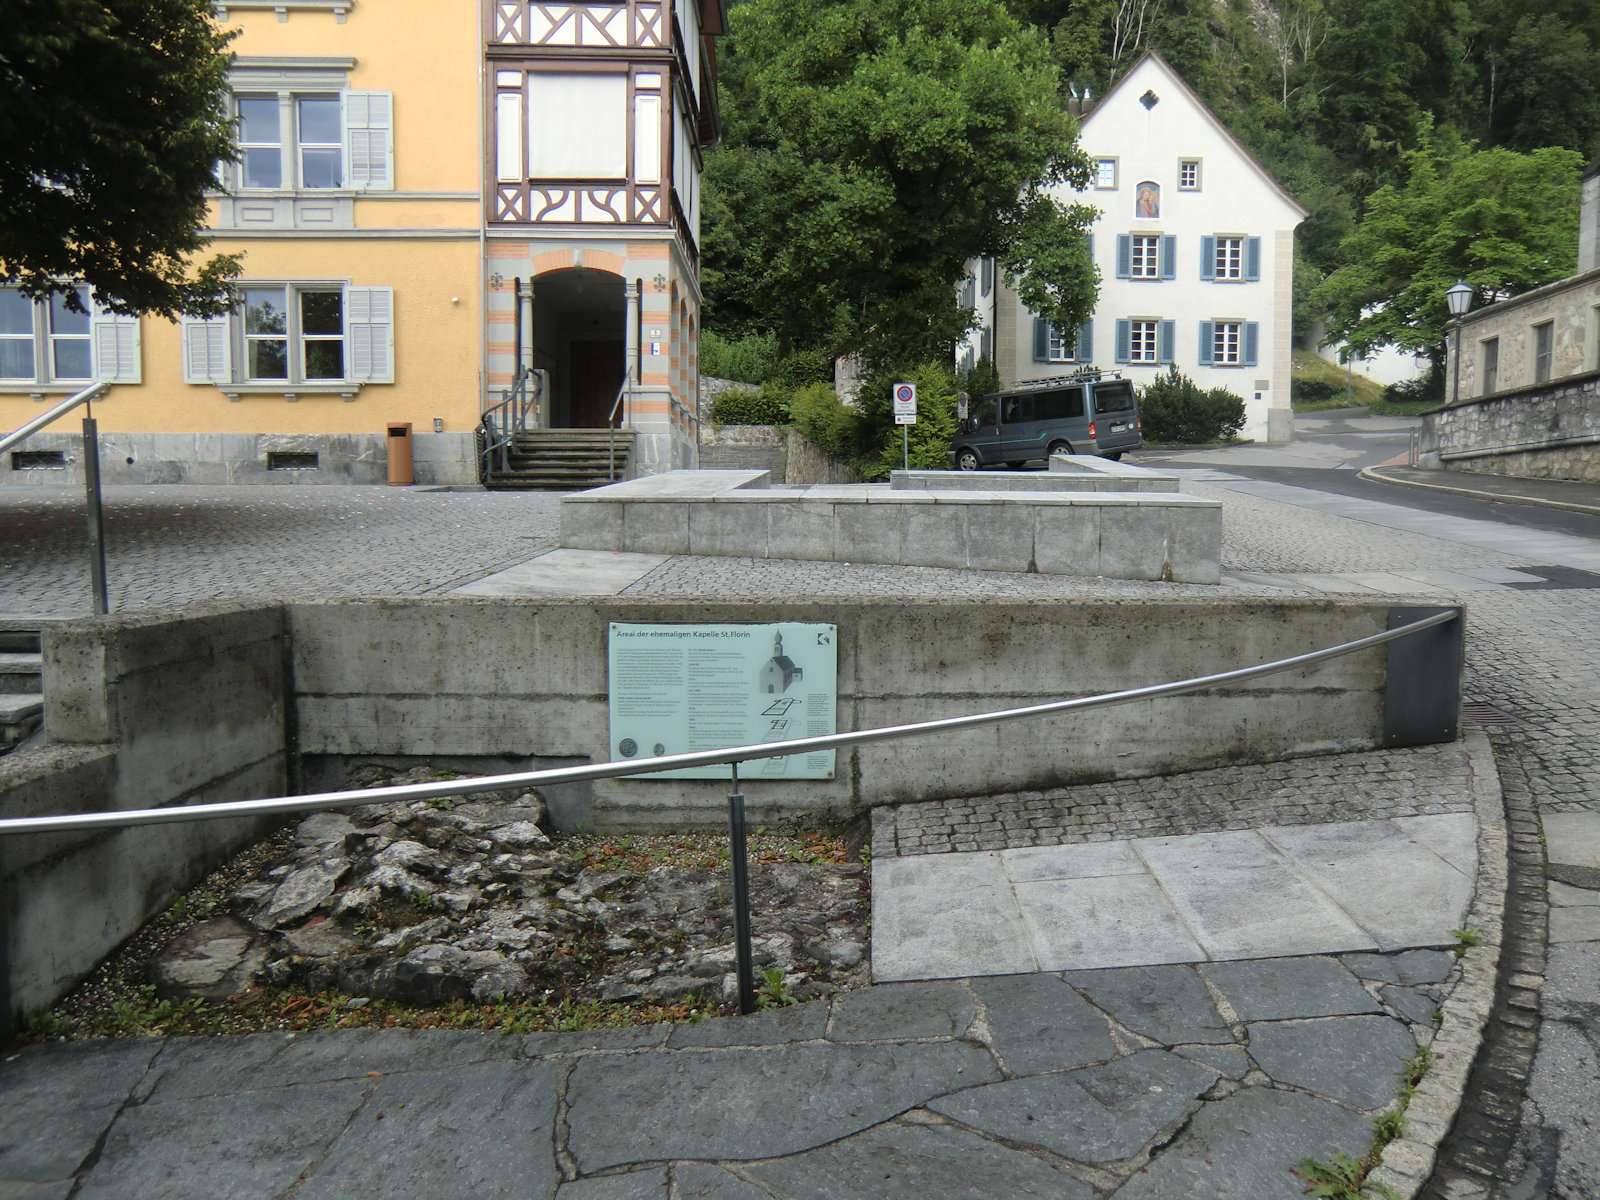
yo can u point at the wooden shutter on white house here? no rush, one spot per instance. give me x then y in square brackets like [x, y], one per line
[1086, 342]
[369, 334]
[369, 140]
[208, 350]
[114, 346]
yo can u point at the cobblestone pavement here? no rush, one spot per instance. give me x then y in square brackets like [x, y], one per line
[1427, 780]
[174, 544]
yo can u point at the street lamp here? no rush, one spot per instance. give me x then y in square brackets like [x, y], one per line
[1459, 298]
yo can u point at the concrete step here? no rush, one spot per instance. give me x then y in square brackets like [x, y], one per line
[19, 641]
[20, 715]
[21, 673]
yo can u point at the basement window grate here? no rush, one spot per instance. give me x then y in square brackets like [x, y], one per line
[1477, 715]
[292, 460]
[38, 460]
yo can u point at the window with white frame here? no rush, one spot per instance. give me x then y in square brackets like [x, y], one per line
[1142, 343]
[49, 344]
[1229, 258]
[1105, 173]
[1228, 262]
[1226, 343]
[283, 336]
[1188, 174]
[291, 140]
[1229, 343]
[1144, 256]
[1052, 345]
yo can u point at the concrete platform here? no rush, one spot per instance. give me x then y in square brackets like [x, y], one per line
[1115, 534]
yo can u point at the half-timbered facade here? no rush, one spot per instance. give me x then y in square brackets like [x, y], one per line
[598, 116]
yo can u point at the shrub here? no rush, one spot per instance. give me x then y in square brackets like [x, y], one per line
[750, 406]
[828, 423]
[928, 441]
[1313, 391]
[804, 368]
[1176, 409]
[751, 359]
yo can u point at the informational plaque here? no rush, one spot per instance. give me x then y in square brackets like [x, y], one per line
[680, 688]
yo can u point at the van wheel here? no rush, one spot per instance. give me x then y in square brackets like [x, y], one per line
[966, 459]
[1057, 448]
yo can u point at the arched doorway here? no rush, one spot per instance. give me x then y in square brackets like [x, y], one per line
[579, 336]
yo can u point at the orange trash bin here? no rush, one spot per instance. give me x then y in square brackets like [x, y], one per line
[400, 471]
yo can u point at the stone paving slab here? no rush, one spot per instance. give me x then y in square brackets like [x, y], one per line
[567, 573]
[1364, 885]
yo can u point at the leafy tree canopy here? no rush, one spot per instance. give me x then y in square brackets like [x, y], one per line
[875, 146]
[112, 119]
[1502, 220]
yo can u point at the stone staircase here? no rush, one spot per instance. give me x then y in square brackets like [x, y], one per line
[21, 681]
[562, 460]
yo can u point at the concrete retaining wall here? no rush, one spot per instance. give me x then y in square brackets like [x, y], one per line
[525, 677]
[1547, 432]
[140, 712]
[1067, 473]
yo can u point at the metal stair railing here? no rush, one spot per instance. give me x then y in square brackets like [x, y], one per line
[611, 427]
[23, 432]
[731, 756]
[501, 423]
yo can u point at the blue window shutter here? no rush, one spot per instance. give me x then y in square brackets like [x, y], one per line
[1086, 342]
[1088, 244]
[1252, 258]
[1124, 256]
[1169, 256]
[1169, 334]
[1208, 258]
[1124, 335]
[1205, 343]
[1250, 328]
[1041, 340]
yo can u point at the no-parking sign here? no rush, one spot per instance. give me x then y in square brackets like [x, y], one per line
[905, 404]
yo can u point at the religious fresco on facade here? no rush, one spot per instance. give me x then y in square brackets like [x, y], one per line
[1147, 200]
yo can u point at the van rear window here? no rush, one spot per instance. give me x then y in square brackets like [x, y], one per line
[1114, 396]
[1058, 406]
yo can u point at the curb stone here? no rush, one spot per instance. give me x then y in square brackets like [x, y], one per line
[1408, 1161]
[1377, 475]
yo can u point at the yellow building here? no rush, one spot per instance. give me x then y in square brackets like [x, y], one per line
[430, 192]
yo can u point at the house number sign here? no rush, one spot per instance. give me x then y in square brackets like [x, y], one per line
[680, 688]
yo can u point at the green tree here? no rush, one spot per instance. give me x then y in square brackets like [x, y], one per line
[885, 142]
[1504, 221]
[113, 117]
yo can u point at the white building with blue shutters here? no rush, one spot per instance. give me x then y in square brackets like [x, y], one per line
[1195, 248]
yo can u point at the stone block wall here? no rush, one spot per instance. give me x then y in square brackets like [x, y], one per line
[744, 447]
[1546, 432]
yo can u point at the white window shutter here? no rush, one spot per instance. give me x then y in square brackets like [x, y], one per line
[114, 345]
[369, 140]
[208, 350]
[369, 334]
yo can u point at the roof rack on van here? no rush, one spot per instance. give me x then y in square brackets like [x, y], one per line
[1081, 375]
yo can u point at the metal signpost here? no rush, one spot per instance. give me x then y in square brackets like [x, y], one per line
[905, 415]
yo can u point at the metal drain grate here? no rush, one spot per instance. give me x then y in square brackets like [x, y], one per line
[1477, 715]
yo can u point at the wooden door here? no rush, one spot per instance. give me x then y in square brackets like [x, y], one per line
[596, 374]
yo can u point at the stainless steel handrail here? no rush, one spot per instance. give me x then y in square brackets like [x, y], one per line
[502, 422]
[702, 758]
[23, 432]
[611, 428]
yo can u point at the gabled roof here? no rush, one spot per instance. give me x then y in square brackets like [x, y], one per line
[1216, 123]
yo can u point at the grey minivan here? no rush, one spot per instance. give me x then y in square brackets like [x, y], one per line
[1091, 412]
